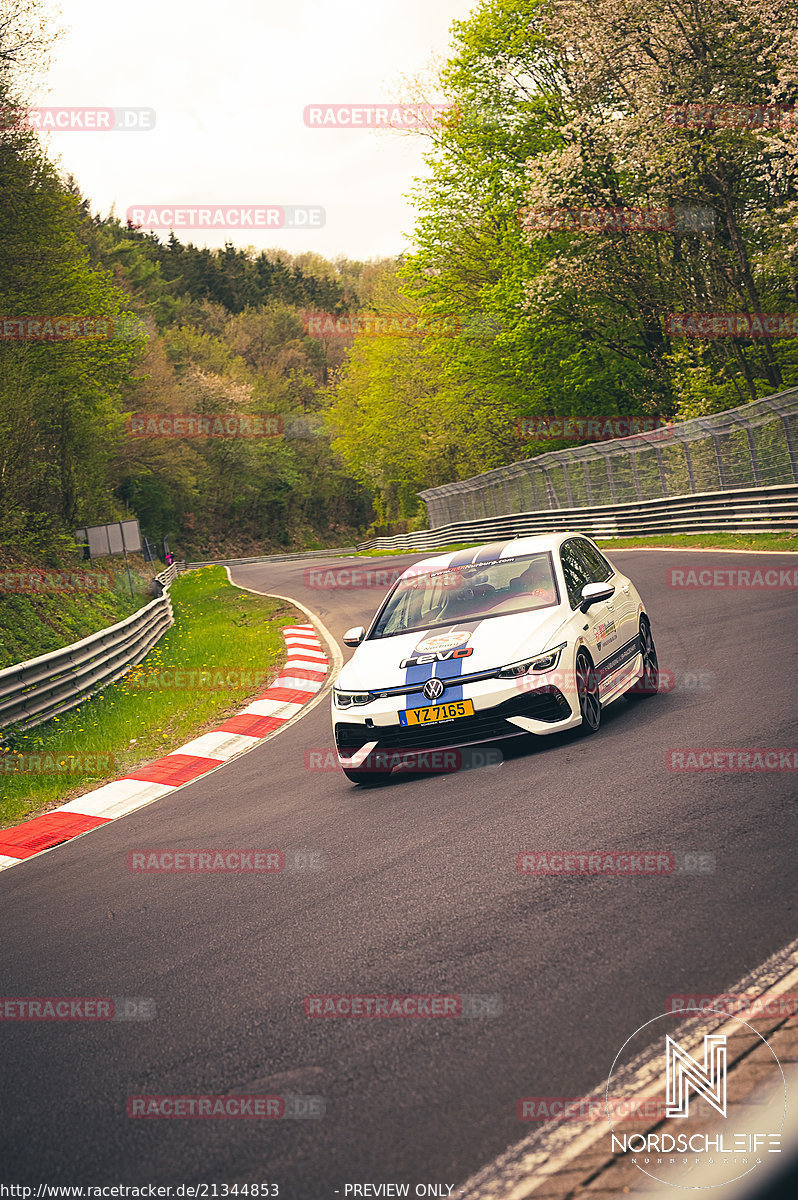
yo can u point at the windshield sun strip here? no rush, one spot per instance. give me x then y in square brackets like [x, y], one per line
[471, 617]
[465, 620]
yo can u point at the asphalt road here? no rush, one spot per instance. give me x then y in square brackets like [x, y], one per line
[419, 894]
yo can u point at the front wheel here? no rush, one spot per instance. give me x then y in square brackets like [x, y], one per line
[648, 683]
[587, 689]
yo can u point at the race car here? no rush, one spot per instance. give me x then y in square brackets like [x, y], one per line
[531, 636]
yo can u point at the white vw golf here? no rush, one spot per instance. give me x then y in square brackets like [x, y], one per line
[534, 635]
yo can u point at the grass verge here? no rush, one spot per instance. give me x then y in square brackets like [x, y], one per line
[787, 541]
[709, 541]
[231, 636]
[430, 553]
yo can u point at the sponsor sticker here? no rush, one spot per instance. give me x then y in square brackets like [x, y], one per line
[442, 641]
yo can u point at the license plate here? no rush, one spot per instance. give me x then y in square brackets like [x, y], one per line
[437, 712]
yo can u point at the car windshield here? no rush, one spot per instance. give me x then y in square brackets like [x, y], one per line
[467, 593]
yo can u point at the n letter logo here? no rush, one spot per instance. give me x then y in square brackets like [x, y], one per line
[683, 1073]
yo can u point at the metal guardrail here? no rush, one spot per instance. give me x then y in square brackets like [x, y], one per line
[242, 562]
[171, 573]
[41, 688]
[35, 691]
[744, 510]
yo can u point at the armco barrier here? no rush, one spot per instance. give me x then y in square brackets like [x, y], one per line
[34, 691]
[745, 510]
[242, 562]
[171, 573]
[41, 688]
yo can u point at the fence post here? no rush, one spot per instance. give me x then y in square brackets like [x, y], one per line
[567, 481]
[754, 459]
[661, 466]
[719, 460]
[689, 461]
[785, 420]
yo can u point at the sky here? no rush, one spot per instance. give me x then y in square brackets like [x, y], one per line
[229, 83]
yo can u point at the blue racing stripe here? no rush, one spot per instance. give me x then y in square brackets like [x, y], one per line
[449, 668]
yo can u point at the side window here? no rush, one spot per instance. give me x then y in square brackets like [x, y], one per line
[575, 570]
[597, 564]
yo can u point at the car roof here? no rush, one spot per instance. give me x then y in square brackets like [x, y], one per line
[491, 551]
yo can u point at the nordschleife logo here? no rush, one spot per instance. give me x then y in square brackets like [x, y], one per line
[707, 1138]
[684, 1073]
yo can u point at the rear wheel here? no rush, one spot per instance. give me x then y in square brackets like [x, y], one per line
[588, 691]
[648, 683]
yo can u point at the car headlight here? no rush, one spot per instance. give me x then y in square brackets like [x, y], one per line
[540, 662]
[347, 699]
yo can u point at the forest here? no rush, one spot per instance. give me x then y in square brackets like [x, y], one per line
[604, 186]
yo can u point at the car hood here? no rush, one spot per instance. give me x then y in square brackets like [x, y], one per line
[494, 642]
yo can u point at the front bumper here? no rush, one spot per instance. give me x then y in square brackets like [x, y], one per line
[534, 705]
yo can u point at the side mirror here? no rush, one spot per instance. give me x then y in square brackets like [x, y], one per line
[354, 636]
[592, 593]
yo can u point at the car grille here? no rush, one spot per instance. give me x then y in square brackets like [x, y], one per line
[546, 704]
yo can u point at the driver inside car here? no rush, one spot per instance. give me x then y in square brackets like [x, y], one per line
[536, 581]
[468, 590]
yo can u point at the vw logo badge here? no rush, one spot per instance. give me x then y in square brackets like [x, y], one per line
[433, 689]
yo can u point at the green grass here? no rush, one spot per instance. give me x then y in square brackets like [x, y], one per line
[431, 553]
[699, 541]
[709, 541]
[218, 629]
[38, 620]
